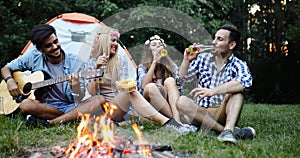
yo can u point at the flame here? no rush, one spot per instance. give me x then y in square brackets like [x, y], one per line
[144, 150]
[138, 132]
[87, 143]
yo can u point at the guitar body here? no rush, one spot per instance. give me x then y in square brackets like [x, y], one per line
[22, 80]
[9, 104]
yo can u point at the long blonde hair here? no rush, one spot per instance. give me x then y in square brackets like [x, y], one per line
[102, 46]
[166, 64]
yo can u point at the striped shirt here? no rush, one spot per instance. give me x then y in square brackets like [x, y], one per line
[208, 76]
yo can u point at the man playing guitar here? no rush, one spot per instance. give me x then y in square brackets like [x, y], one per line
[61, 102]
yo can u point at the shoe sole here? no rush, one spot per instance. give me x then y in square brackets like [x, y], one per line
[234, 141]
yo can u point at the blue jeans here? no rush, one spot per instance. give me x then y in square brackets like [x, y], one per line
[63, 107]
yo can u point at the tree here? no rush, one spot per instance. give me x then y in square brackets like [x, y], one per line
[270, 62]
[181, 23]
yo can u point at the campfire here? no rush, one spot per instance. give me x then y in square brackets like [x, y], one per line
[96, 139]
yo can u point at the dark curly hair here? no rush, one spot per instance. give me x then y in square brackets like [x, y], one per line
[39, 33]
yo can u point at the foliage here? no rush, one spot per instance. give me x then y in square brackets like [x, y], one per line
[272, 25]
[180, 23]
[277, 134]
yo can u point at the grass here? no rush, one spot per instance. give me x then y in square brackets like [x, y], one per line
[277, 128]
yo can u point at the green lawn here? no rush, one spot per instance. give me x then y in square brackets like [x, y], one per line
[277, 135]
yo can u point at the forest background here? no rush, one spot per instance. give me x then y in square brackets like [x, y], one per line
[270, 32]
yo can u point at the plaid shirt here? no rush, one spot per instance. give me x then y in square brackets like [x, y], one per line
[142, 71]
[205, 69]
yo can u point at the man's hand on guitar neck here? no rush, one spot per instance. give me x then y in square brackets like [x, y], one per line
[74, 83]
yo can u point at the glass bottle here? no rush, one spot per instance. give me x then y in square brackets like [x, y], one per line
[163, 52]
[201, 47]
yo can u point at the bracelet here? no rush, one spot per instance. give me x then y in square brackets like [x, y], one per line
[75, 94]
[8, 78]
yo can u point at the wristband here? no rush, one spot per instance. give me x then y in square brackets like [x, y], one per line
[75, 94]
[8, 78]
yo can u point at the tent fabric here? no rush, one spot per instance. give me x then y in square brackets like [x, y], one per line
[78, 18]
[76, 32]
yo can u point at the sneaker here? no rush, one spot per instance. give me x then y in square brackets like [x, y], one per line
[173, 124]
[191, 127]
[34, 121]
[227, 136]
[244, 133]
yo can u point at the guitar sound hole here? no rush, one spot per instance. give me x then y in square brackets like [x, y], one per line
[27, 87]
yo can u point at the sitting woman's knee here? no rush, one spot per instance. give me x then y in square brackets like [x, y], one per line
[181, 102]
[150, 87]
[169, 80]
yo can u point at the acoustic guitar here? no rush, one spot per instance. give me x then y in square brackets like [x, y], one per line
[31, 86]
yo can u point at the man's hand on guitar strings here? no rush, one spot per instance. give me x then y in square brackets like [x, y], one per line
[74, 82]
[13, 88]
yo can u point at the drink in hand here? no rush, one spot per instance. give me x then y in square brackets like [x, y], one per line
[193, 49]
[163, 52]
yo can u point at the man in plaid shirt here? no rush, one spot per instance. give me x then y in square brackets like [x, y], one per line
[222, 77]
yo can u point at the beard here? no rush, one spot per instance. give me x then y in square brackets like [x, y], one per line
[55, 57]
[221, 50]
[52, 56]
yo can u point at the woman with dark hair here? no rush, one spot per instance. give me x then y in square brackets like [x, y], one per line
[157, 76]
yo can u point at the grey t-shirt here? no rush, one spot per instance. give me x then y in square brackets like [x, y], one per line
[56, 91]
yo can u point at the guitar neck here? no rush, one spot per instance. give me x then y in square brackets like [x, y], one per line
[49, 82]
[87, 74]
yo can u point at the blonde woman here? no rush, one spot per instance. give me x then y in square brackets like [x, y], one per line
[105, 54]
